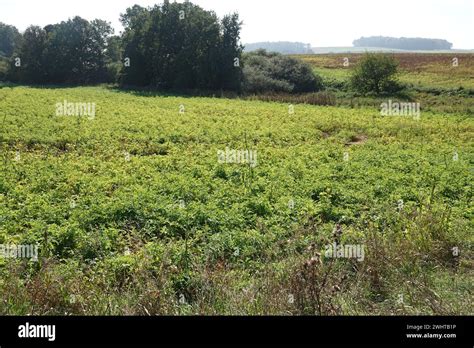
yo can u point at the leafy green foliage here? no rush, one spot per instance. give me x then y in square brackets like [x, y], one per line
[181, 46]
[273, 72]
[68, 52]
[10, 38]
[4, 69]
[115, 239]
[375, 74]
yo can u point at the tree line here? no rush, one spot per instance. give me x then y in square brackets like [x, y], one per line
[284, 47]
[403, 43]
[172, 45]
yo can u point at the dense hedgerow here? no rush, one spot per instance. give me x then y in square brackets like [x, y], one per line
[273, 72]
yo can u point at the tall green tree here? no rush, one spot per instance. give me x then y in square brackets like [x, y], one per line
[181, 46]
[76, 50]
[10, 38]
[31, 54]
[231, 53]
[73, 51]
[136, 50]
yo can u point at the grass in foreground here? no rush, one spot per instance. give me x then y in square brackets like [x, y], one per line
[135, 215]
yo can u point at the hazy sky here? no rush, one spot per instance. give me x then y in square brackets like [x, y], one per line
[319, 22]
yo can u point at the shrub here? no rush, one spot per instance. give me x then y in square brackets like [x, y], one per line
[3, 68]
[273, 72]
[376, 74]
[113, 72]
[258, 81]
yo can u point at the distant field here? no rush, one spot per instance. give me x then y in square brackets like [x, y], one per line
[350, 49]
[134, 213]
[422, 70]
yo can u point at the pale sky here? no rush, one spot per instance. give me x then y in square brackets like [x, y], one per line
[319, 22]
